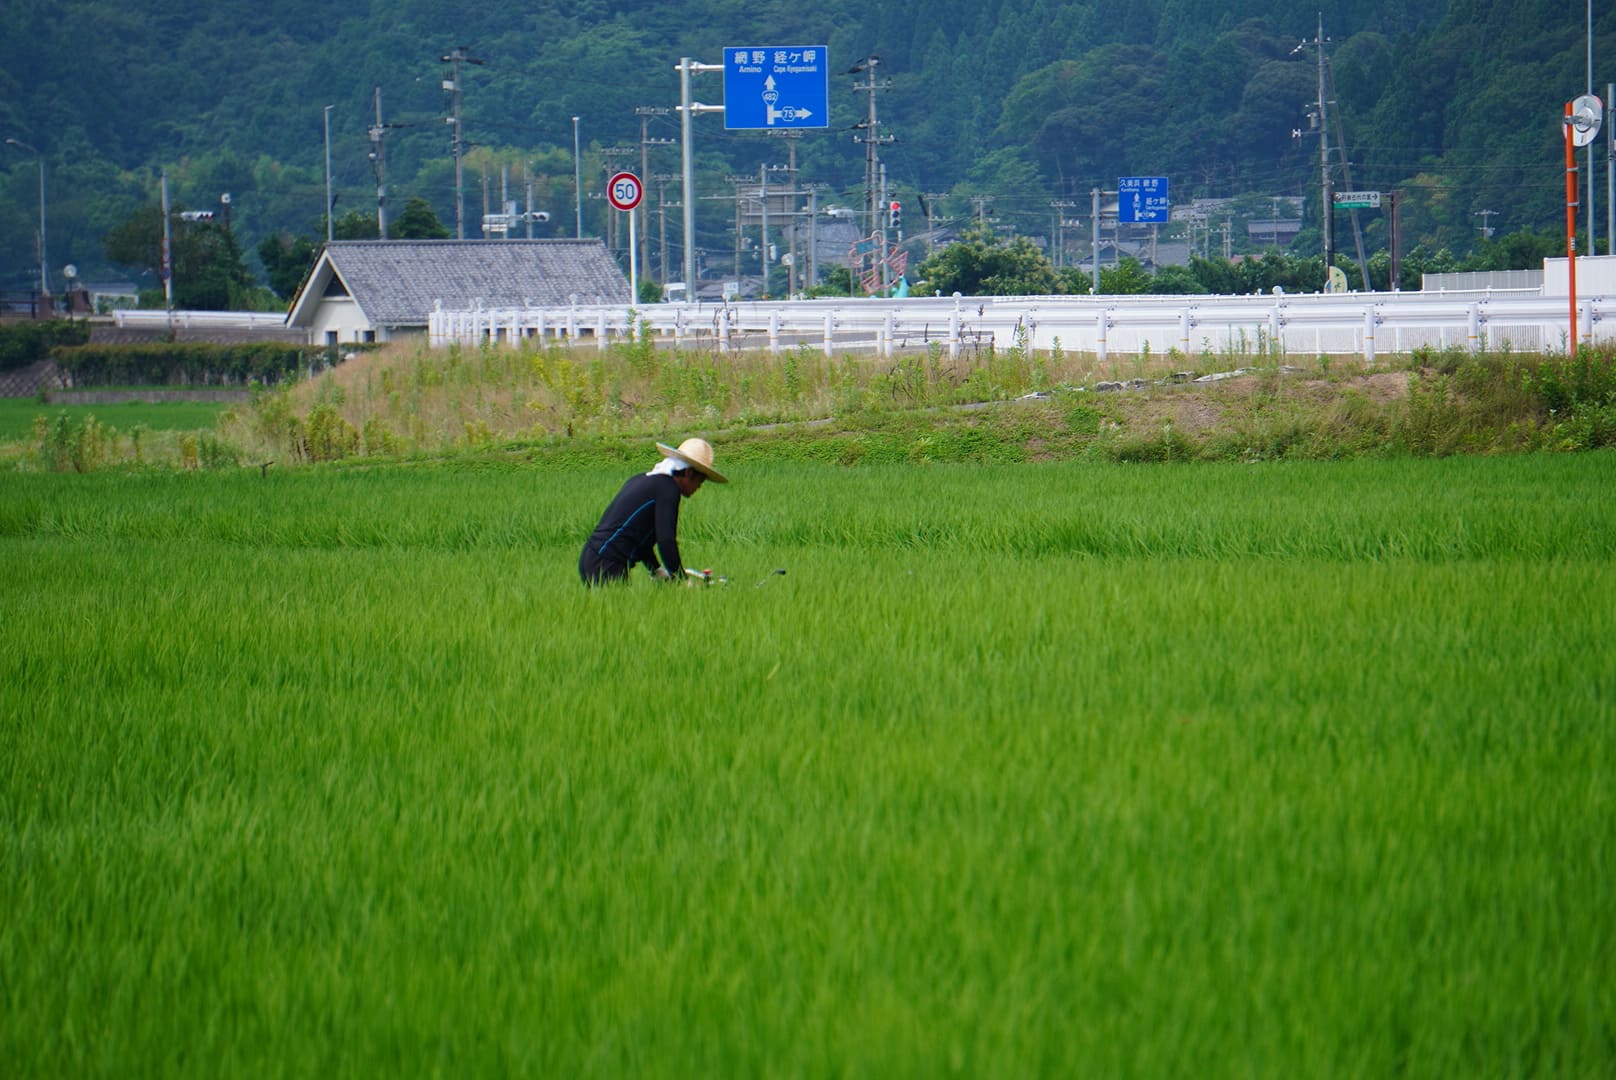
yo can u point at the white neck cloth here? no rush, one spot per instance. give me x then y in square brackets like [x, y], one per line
[668, 466]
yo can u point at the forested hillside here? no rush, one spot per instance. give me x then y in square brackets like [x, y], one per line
[1003, 105]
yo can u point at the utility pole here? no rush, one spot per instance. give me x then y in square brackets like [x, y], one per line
[1486, 226]
[872, 138]
[662, 181]
[378, 164]
[459, 55]
[167, 270]
[981, 202]
[791, 138]
[645, 112]
[928, 201]
[330, 226]
[738, 181]
[1327, 211]
[44, 272]
[1060, 206]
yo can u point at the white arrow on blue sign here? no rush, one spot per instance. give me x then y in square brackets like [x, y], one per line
[777, 86]
[1142, 199]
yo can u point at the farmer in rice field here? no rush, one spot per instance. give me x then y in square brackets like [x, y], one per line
[645, 513]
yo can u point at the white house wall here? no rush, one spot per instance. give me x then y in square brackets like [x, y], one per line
[342, 315]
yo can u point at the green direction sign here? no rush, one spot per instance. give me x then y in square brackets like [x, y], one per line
[1357, 200]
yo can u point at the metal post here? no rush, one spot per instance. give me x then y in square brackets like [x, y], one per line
[688, 169]
[687, 109]
[577, 185]
[330, 232]
[633, 261]
[1324, 165]
[813, 227]
[379, 156]
[1094, 224]
[167, 269]
[1571, 225]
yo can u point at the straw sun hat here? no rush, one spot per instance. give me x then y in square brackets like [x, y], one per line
[698, 454]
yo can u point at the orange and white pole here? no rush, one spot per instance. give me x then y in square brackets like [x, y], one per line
[1571, 224]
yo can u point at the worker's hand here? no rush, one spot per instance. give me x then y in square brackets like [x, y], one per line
[661, 574]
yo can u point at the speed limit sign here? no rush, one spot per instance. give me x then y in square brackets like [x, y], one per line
[623, 191]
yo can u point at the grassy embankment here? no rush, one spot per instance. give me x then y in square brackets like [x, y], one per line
[1014, 405]
[1280, 769]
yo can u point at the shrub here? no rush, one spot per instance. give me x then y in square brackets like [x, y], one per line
[25, 343]
[183, 363]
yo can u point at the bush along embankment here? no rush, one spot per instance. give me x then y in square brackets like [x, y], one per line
[25, 343]
[259, 363]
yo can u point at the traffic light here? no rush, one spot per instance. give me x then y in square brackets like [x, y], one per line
[895, 216]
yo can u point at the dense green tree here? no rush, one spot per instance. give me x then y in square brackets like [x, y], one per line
[1176, 280]
[286, 260]
[981, 264]
[355, 225]
[1126, 278]
[1524, 249]
[418, 221]
[208, 271]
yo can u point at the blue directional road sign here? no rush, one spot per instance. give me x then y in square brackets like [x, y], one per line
[780, 86]
[1142, 200]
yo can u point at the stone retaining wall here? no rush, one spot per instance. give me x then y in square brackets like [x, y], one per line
[118, 397]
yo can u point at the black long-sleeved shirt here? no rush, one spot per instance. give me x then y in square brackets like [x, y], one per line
[645, 512]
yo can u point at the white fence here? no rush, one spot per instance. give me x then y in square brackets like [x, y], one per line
[1343, 324]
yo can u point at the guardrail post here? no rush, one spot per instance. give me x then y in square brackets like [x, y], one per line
[1473, 327]
[1101, 321]
[678, 326]
[600, 330]
[1274, 343]
[954, 333]
[774, 333]
[1586, 320]
[830, 328]
[723, 328]
[886, 334]
[1184, 331]
[1369, 334]
[572, 326]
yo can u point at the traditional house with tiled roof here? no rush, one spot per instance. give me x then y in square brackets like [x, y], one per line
[377, 290]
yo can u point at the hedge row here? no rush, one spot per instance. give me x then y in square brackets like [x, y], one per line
[25, 343]
[187, 363]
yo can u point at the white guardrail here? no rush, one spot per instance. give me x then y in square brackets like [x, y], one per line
[1340, 324]
[217, 320]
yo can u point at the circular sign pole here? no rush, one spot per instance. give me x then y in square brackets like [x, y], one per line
[1582, 120]
[624, 192]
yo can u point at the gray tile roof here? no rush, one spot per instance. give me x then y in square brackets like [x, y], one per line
[397, 282]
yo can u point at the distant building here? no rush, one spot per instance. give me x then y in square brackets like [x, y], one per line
[377, 290]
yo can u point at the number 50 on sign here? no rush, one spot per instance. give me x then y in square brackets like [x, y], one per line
[623, 191]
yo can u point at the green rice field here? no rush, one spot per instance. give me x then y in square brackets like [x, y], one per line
[1063, 769]
[19, 415]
